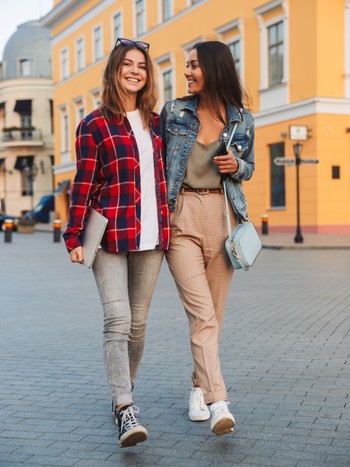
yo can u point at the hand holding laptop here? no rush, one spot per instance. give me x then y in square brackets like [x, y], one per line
[91, 239]
[92, 236]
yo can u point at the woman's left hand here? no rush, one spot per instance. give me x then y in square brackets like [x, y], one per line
[226, 164]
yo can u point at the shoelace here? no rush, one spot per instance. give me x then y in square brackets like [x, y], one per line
[129, 420]
[197, 398]
[219, 407]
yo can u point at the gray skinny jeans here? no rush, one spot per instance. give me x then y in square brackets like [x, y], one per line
[125, 282]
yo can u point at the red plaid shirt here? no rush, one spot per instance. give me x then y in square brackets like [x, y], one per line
[108, 178]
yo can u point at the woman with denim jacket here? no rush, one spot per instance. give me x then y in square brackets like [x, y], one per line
[192, 129]
[120, 173]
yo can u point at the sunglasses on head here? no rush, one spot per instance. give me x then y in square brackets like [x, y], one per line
[139, 44]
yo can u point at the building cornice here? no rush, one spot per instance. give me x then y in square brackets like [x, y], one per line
[15, 85]
[59, 12]
[308, 107]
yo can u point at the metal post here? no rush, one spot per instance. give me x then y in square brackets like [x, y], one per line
[297, 147]
[8, 223]
[264, 224]
[57, 230]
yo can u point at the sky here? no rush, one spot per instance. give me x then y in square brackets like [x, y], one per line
[16, 12]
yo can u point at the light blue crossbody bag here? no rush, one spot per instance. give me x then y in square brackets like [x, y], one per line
[243, 243]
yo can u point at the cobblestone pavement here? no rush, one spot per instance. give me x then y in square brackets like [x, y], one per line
[285, 357]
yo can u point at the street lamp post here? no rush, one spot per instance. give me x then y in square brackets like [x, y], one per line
[32, 172]
[297, 148]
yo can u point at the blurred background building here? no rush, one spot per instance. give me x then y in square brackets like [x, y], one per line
[293, 57]
[26, 119]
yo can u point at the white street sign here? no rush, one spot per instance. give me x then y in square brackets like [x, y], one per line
[290, 161]
[298, 132]
[309, 161]
[284, 161]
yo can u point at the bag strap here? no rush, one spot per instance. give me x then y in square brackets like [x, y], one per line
[227, 213]
[223, 182]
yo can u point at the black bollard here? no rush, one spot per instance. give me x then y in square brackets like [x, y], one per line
[57, 230]
[265, 224]
[8, 223]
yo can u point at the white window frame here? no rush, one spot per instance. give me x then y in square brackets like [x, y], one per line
[144, 25]
[96, 56]
[230, 44]
[21, 62]
[80, 109]
[81, 40]
[277, 95]
[64, 134]
[347, 50]
[96, 97]
[114, 35]
[164, 72]
[64, 63]
[275, 45]
[161, 17]
[239, 25]
[163, 67]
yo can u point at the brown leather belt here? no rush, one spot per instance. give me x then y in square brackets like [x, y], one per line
[203, 191]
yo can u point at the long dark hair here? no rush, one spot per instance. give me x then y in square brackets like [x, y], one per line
[114, 96]
[222, 84]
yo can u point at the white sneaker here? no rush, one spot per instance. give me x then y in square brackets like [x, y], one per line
[198, 411]
[222, 421]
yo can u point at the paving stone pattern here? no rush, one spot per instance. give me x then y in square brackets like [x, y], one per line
[285, 357]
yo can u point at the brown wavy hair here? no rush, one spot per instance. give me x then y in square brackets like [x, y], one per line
[114, 96]
[222, 84]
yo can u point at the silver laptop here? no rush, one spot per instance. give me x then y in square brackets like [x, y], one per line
[92, 236]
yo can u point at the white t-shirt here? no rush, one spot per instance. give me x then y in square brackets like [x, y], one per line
[149, 218]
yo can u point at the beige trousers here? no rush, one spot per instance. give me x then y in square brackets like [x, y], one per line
[202, 272]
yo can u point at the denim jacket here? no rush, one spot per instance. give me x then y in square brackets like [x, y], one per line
[179, 129]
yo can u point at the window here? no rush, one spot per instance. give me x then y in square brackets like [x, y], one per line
[117, 27]
[51, 115]
[232, 34]
[26, 182]
[24, 164]
[165, 66]
[81, 113]
[80, 54]
[168, 85]
[167, 9]
[64, 64]
[235, 48]
[79, 110]
[276, 53]
[335, 171]
[273, 19]
[98, 49]
[277, 177]
[64, 134]
[26, 125]
[96, 98]
[140, 17]
[24, 67]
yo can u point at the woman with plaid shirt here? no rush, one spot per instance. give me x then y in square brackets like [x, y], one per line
[120, 173]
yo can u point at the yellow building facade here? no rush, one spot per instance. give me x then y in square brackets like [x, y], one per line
[297, 74]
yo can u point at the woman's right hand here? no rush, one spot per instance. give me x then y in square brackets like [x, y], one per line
[76, 255]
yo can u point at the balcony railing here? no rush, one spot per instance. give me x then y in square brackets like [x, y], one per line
[21, 137]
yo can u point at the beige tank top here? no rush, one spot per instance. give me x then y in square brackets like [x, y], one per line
[201, 171]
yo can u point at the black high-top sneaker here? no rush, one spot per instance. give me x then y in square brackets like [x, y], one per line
[131, 431]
